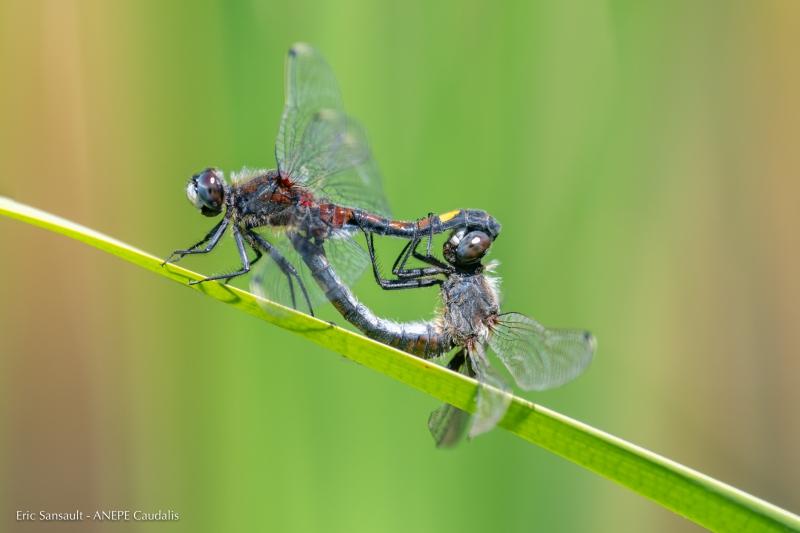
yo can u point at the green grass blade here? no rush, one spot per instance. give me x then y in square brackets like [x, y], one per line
[687, 492]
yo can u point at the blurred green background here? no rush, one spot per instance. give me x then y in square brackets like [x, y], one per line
[641, 156]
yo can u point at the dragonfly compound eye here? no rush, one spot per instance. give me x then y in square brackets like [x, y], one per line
[464, 249]
[206, 191]
[472, 248]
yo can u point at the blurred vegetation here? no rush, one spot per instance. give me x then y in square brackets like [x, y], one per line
[641, 158]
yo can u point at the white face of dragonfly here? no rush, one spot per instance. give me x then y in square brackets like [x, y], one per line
[191, 193]
[206, 191]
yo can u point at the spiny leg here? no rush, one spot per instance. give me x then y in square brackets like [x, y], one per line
[415, 282]
[412, 283]
[430, 236]
[437, 266]
[399, 268]
[429, 258]
[371, 250]
[253, 261]
[252, 239]
[212, 237]
[286, 267]
[237, 237]
[399, 263]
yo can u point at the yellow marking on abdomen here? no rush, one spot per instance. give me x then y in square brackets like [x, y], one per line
[450, 214]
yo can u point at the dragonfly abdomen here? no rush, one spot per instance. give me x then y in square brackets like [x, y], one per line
[425, 339]
[336, 216]
[472, 219]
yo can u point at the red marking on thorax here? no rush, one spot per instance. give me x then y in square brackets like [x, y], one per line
[305, 199]
[287, 192]
[280, 196]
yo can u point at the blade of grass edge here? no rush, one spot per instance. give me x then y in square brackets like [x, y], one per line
[698, 497]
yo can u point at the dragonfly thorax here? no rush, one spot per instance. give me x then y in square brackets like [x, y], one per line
[469, 302]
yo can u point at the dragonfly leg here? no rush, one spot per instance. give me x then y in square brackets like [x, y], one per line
[253, 261]
[286, 267]
[412, 282]
[429, 258]
[237, 237]
[399, 268]
[430, 235]
[212, 238]
[457, 361]
[254, 242]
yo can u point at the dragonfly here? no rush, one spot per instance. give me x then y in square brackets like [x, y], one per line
[469, 320]
[326, 188]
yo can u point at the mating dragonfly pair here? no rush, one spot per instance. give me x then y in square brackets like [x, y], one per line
[306, 214]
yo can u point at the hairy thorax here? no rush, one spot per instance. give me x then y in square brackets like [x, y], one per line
[265, 199]
[470, 303]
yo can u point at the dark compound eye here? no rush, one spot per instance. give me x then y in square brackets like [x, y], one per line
[206, 191]
[472, 247]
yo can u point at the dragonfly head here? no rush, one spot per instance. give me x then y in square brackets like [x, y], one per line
[206, 191]
[464, 250]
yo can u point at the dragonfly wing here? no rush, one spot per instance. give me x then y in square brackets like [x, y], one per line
[359, 185]
[448, 424]
[493, 395]
[540, 358]
[310, 86]
[347, 258]
[318, 144]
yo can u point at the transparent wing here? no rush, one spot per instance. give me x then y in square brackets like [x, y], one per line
[448, 424]
[347, 258]
[359, 185]
[310, 87]
[493, 395]
[318, 144]
[537, 357]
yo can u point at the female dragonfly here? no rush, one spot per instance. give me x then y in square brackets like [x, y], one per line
[470, 320]
[326, 187]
